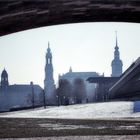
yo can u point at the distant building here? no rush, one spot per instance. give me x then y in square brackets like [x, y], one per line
[102, 88]
[117, 62]
[49, 86]
[104, 83]
[18, 96]
[90, 88]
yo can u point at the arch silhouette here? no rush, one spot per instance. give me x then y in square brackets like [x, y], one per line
[19, 15]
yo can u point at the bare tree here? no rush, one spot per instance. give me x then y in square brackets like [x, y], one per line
[79, 90]
[41, 98]
[64, 91]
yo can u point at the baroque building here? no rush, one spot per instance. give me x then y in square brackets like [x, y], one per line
[116, 62]
[19, 96]
[49, 86]
[89, 88]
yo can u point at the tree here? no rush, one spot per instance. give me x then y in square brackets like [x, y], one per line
[64, 91]
[79, 90]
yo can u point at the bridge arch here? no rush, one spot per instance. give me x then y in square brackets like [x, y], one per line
[19, 15]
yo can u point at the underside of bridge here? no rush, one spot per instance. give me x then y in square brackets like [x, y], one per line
[128, 86]
[19, 15]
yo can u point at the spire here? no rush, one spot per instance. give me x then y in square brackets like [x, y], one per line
[49, 86]
[70, 70]
[116, 62]
[49, 54]
[48, 44]
[116, 52]
[48, 50]
[4, 73]
[116, 39]
[4, 78]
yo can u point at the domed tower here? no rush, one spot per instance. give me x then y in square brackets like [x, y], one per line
[49, 81]
[4, 79]
[116, 63]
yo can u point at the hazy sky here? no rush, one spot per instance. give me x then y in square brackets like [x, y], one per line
[85, 47]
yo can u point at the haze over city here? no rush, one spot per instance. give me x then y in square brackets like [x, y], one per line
[84, 47]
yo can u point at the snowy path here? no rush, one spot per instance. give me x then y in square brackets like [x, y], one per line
[127, 137]
[83, 111]
[110, 118]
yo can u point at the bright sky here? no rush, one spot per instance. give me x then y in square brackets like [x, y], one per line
[85, 47]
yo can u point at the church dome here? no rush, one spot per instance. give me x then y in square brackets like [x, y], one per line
[116, 48]
[116, 62]
[4, 73]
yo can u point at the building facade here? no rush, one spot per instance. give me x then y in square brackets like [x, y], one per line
[117, 62]
[89, 88]
[19, 96]
[102, 88]
[49, 86]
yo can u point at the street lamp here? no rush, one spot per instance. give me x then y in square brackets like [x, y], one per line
[44, 98]
[32, 95]
[64, 99]
[57, 99]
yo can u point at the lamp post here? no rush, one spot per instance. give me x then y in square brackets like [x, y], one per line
[44, 99]
[57, 99]
[32, 95]
[64, 100]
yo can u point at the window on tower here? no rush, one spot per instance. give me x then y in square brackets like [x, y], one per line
[49, 61]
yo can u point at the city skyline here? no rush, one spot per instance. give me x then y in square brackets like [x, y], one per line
[84, 47]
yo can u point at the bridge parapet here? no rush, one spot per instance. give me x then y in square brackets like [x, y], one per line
[128, 79]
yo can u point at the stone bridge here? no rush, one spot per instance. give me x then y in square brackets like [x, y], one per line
[19, 15]
[128, 86]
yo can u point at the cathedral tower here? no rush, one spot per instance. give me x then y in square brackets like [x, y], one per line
[4, 79]
[49, 81]
[116, 63]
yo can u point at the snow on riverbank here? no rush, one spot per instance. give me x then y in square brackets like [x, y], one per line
[83, 111]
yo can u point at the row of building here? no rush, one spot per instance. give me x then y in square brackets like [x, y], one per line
[95, 91]
[18, 96]
[14, 96]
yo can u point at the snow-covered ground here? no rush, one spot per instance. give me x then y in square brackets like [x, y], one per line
[106, 137]
[83, 111]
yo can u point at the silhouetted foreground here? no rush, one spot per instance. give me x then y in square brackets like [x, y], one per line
[20, 15]
[103, 137]
[19, 127]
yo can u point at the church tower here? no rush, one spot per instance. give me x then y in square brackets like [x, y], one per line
[49, 86]
[116, 63]
[4, 79]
